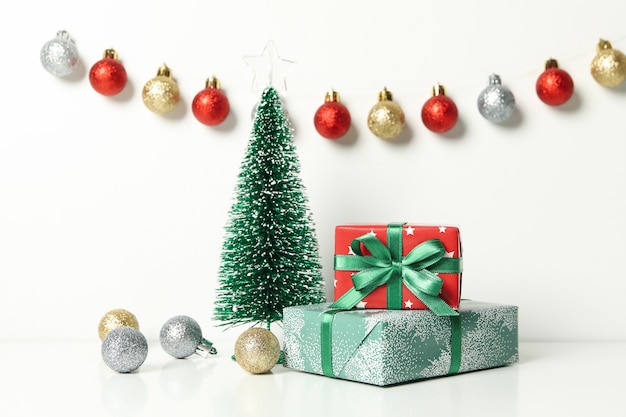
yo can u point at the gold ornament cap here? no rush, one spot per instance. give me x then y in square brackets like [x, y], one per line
[114, 319]
[439, 90]
[551, 63]
[110, 53]
[385, 95]
[213, 82]
[603, 45]
[332, 97]
[161, 94]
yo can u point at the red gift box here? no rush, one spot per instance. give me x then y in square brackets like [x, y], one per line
[408, 238]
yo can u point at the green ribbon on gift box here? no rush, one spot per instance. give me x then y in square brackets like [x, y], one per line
[386, 265]
[327, 342]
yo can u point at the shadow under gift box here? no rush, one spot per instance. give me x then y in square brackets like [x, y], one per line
[385, 347]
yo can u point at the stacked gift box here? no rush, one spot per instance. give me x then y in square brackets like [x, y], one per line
[397, 314]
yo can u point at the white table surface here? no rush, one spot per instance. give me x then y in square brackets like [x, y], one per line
[70, 379]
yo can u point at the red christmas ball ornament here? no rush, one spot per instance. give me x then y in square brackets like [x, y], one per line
[108, 76]
[211, 106]
[554, 86]
[332, 119]
[439, 113]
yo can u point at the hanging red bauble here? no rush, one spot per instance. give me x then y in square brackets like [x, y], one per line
[439, 113]
[554, 86]
[332, 119]
[108, 76]
[211, 106]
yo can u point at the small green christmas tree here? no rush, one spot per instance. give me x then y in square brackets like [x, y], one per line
[270, 254]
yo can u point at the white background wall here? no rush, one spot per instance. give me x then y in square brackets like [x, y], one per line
[104, 204]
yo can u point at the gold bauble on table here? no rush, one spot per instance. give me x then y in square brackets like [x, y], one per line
[161, 93]
[386, 118]
[257, 350]
[114, 319]
[608, 67]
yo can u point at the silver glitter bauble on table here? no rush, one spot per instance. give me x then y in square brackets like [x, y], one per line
[124, 349]
[496, 103]
[181, 336]
[59, 56]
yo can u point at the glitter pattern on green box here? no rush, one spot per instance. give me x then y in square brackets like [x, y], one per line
[385, 347]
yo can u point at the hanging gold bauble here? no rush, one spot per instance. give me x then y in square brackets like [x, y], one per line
[161, 94]
[386, 118]
[114, 319]
[608, 67]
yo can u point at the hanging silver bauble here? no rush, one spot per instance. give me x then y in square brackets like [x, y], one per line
[59, 56]
[496, 103]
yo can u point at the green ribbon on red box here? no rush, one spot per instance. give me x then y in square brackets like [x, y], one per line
[386, 265]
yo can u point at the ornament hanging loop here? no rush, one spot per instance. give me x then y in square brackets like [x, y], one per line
[604, 45]
[110, 54]
[439, 90]
[385, 95]
[332, 97]
[205, 348]
[164, 71]
[64, 34]
[213, 82]
[551, 63]
[494, 79]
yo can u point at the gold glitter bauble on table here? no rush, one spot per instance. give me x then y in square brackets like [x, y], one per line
[257, 350]
[386, 118]
[161, 93]
[608, 67]
[114, 319]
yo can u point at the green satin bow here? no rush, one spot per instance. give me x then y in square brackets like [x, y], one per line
[386, 265]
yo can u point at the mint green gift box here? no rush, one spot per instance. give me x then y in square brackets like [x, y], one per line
[385, 347]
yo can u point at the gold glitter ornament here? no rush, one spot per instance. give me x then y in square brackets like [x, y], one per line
[608, 67]
[386, 118]
[161, 93]
[257, 350]
[114, 319]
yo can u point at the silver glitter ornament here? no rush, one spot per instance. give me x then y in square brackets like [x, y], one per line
[496, 103]
[59, 56]
[181, 336]
[124, 349]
